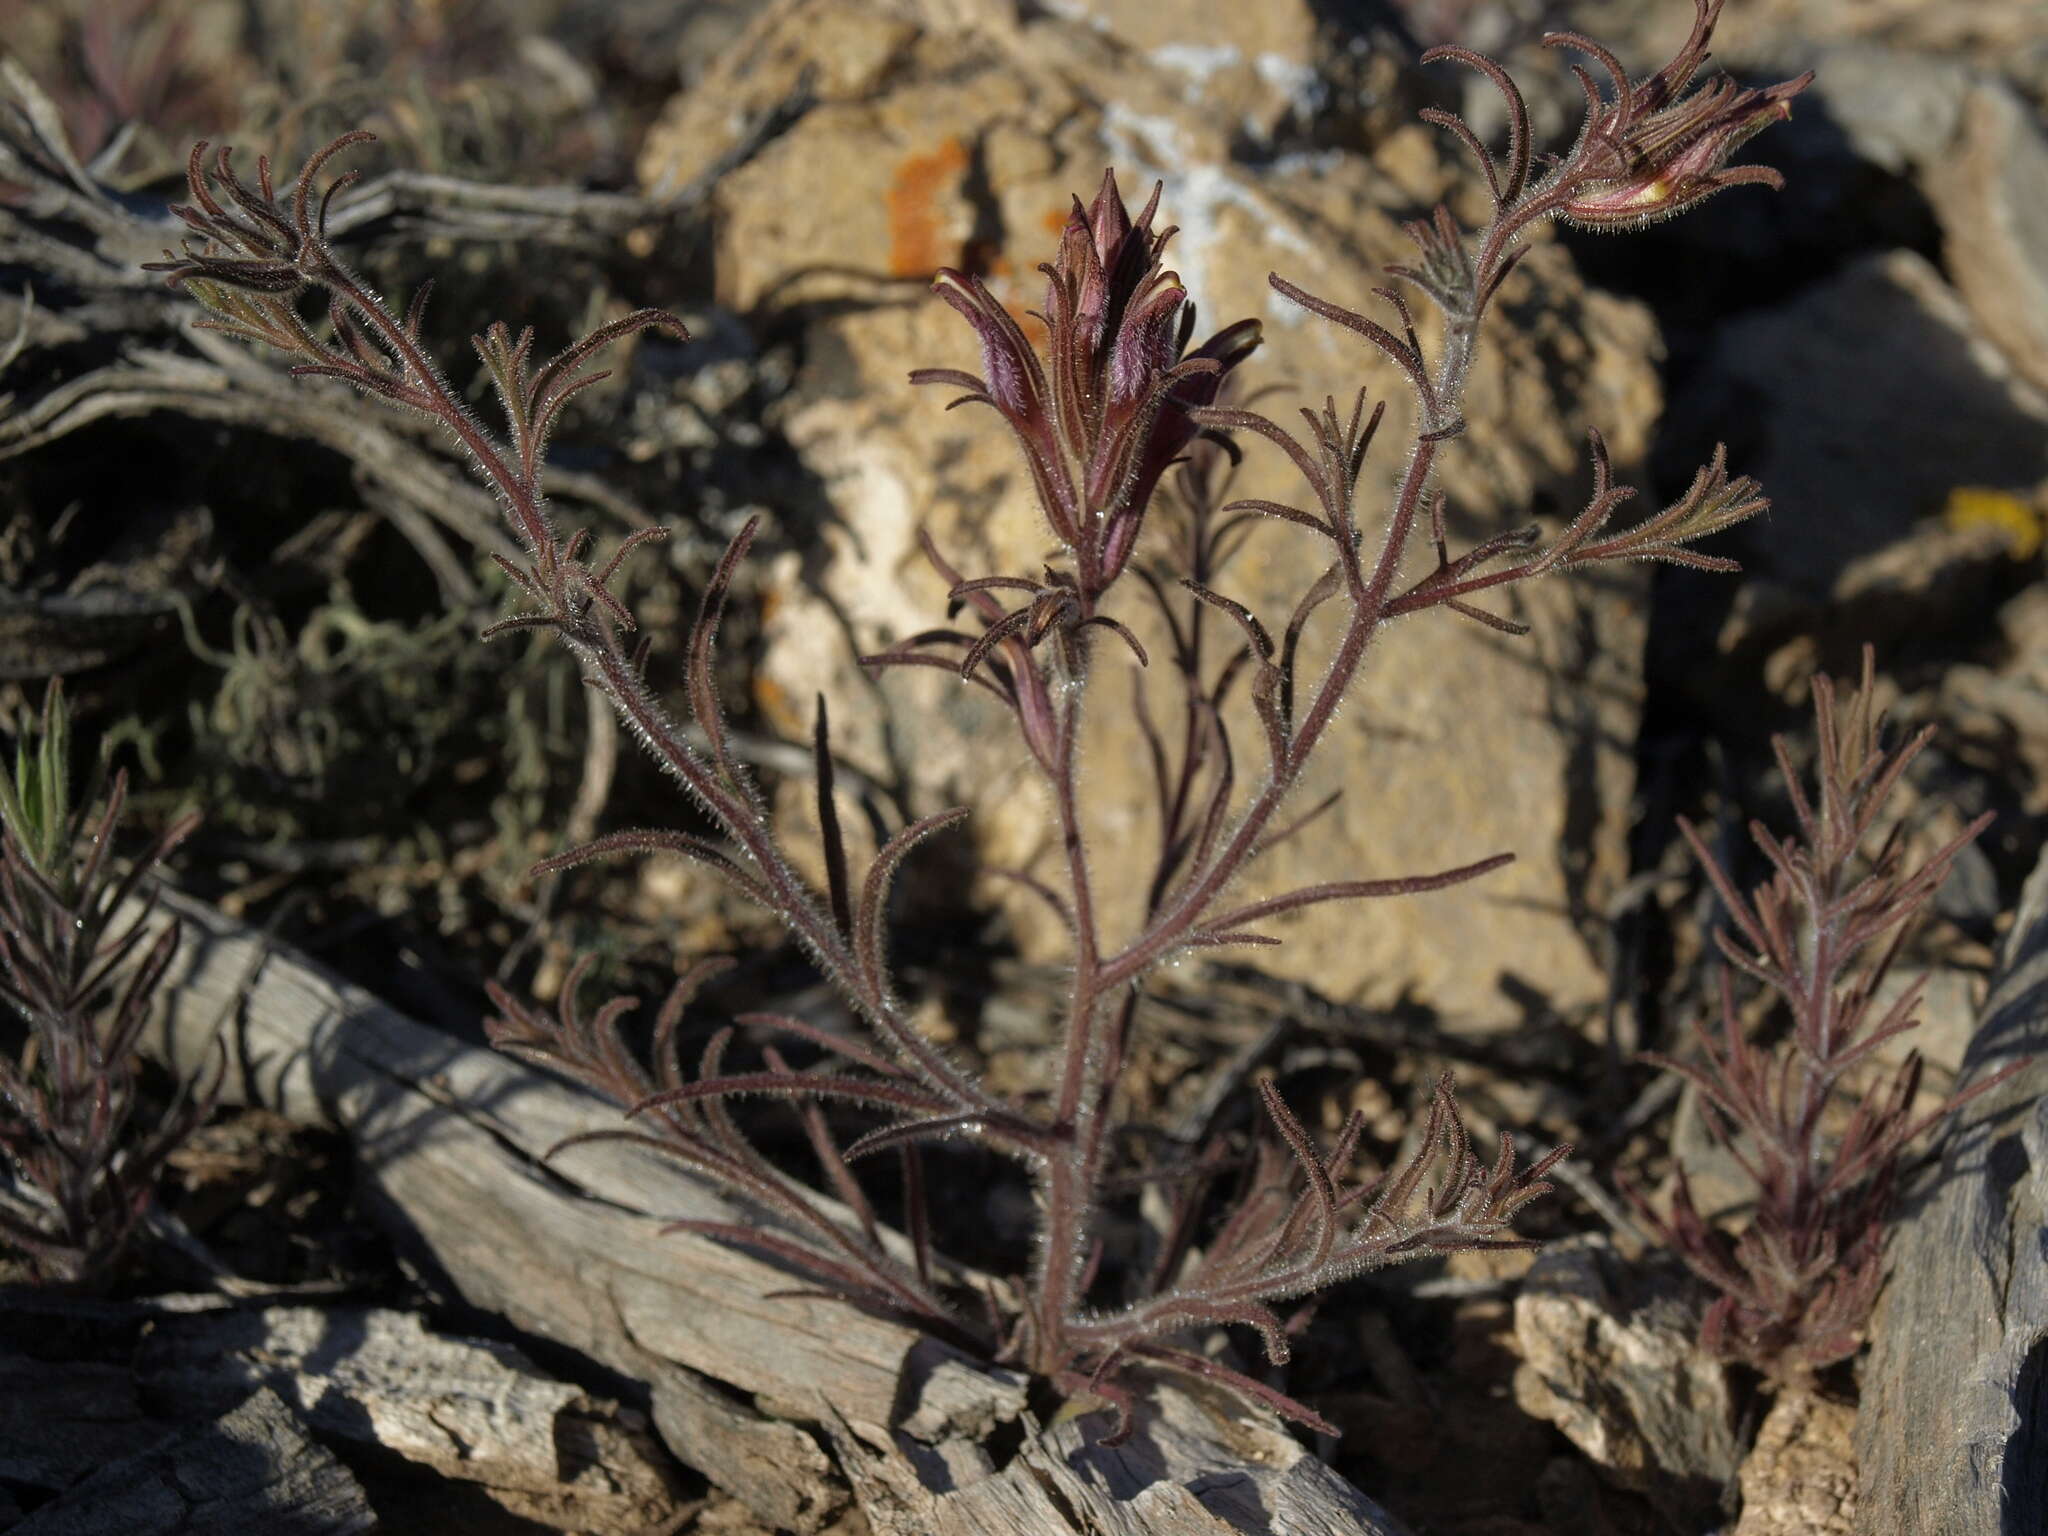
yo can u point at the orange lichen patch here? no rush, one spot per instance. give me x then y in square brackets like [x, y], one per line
[779, 709]
[985, 258]
[919, 241]
[1035, 329]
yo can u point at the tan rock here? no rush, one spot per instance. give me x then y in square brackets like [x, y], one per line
[1800, 1477]
[861, 195]
[1250, 66]
[838, 54]
[1990, 193]
[1991, 33]
[2004, 710]
[1768, 34]
[1459, 743]
[1608, 1357]
[1980, 156]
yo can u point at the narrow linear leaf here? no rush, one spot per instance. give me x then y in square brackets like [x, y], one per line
[870, 917]
[828, 823]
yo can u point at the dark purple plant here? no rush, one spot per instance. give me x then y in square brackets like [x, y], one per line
[1654, 150]
[1102, 410]
[77, 973]
[1794, 1289]
[1107, 409]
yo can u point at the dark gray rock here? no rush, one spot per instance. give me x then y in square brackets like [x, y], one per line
[1860, 405]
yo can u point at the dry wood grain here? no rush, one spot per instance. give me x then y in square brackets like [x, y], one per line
[469, 1410]
[793, 1403]
[252, 1469]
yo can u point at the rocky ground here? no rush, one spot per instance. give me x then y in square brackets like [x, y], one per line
[262, 598]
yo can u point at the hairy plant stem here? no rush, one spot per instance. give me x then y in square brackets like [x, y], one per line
[1826, 962]
[736, 807]
[1088, 1079]
[1067, 1179]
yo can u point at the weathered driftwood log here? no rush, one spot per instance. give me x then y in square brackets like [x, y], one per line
[1952, 1435]
[469, 1410]
[794, 1403]
[58, 1426]
[252, 1469]
[86, 1382]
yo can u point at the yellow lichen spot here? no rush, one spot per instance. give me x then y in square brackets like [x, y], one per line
[1976, 506]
